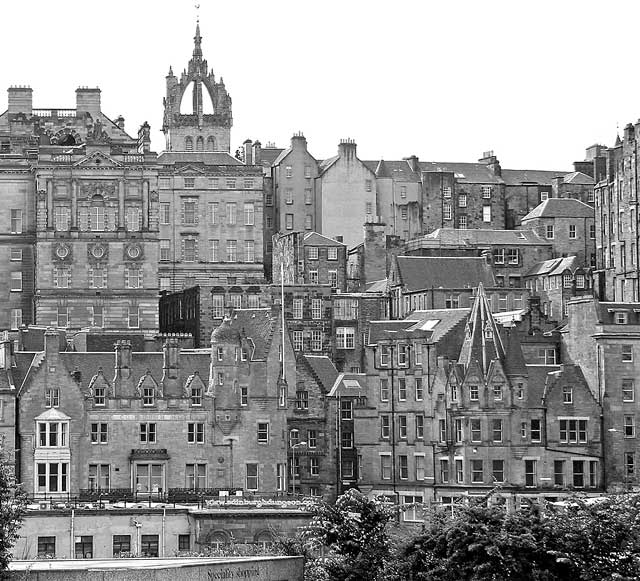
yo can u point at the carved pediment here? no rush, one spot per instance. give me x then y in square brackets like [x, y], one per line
[98, 160]
[99, 381]
[194, 381]
[147, 381]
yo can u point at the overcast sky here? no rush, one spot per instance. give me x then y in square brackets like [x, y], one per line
[536, 82]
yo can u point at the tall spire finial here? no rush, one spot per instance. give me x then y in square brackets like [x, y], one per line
[197, 39]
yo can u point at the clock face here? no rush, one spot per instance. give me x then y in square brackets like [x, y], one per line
[98, 251]
[133, 251]
[62, 251]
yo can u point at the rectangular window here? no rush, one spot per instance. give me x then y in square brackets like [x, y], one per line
[346, 409]
[195, 433]
[252, 477]
[232, 250]
[316, 340]
[630, 464]
[297, 308]
[558, 472]
[402, 389]
[629, 426]
[498, 256]
[385, 466]
[184, 542]
[302, 399]
[462, 200]
[52, 477]
[308, 222]
[52, 397]
[189, 211]
[288, 221]
[458, 429]
[263, 432]
[628, 390]
[121, 545]
[149, 545]
[573, 431]
[312, 438]
[459, 471]
[403, 467]
[314, 466]
[476, 429]
[578, 473]
[249, 214]
[567, 394]
[84, 547]
[147, 433]
[231, 213]
[497, 470]
[402, 427]
[462, 222]
[419, 427]
[477, 471]
[496, 430]
[333, 278]
[420, 467]
[486, 213]
[99, 433]
[530, 473]
[16, 221]
[549, 231]
[444, 470]
[572, 231]
[384, 389]
[132, 276]
[99, 476]
[189, 182]
[347, 440]
[316, 309]
[442, 430]
[244, 396]
[345, 338]
[419, 392]
[16, 319]
[165, 213]
[446, 211]
[536, 430]
[249, 251]
[46, 547]
[297, 340]
[474, 393]
[214, 213]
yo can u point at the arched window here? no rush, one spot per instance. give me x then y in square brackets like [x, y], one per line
[200, 144]
[188, 144]
[211, 144]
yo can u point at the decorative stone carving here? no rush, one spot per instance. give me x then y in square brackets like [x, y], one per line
[106, 189]
[61, 252]
[133, 251]
[98, 252]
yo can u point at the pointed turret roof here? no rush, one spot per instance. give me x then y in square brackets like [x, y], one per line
[483, 343]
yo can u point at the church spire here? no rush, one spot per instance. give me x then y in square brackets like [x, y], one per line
[483, 342]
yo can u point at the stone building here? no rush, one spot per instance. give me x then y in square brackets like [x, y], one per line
[211, 204]
[568, 224]
[616, 221]
[603, 339]
[446, 282]
[83, 216]
[346, 191]
[557, 281]
[512, 252]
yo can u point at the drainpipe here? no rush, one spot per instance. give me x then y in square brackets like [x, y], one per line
[164, 518]
[73, 532]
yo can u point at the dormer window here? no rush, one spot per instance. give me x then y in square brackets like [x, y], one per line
[196, 395]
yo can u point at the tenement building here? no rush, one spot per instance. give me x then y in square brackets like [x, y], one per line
[616, 204]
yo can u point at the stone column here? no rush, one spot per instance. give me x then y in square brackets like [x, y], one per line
[145, 205]
[49, 204]
[74, 204]
[121, 220]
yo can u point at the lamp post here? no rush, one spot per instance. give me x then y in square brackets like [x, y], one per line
[293, 465]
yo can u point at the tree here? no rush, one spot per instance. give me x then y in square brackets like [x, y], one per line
[354, 530]
[12, 509]
[585, 539]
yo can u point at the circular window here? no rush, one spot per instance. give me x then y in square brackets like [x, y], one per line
[133, 251]
[62, 251]
[98, 251]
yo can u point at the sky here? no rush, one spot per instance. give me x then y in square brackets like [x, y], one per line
[536, 82]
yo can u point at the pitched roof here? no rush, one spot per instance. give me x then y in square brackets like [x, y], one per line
[483, 342]
[323, 369]
[560, 208]
[380, 330]
[206, 157]
[377, 286]
[438, 321]
[349, 384]
[514, 362]
[458, 237]
[464, 172]
[325, 164]
[424, 272]
[516, 177]
[537, 381]
[315, 239]
[268, 155]
[554, 266]
[258, 325]
[399, 170]
[281, 156]
[579, 178]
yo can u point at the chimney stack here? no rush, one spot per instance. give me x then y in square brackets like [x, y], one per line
[347, 149]
[88, 101]
[20, 100]
[122, 379]
[248, 152]
[257, 153]
[170, 365]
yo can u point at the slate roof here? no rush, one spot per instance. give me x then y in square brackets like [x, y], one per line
[379, 330]
[268, 155]
[464, 172]
[398, 170]
[423, 272]
[323, 369]
[377, 286]
[554, 266]
[315, 239]
[258, 325]
[281, 156]
[325, 164]
[537, 380]
[438, 321]
[560, 208]
[457, 237]
[205, 157]
[516, 177]
[579, 178]
[606, 311]
[514, 362]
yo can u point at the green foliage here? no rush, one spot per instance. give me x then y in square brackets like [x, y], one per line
[12, 509]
